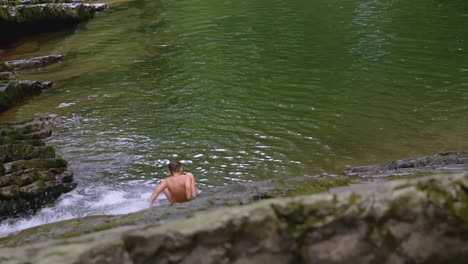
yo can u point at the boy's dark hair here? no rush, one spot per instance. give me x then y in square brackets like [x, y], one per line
[174, 166]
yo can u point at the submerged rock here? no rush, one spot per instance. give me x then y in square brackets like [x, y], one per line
[442, 162]
[421, 220]
[12, 92]
[30, 173]
[32, 63]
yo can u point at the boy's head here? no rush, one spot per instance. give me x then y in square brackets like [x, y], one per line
[175, 167]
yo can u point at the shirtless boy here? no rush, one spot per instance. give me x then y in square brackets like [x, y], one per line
[178, 187]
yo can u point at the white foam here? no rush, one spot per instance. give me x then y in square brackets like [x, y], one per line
[65, 105]
[81, 202]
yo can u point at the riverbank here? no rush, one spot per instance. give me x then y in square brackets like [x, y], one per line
[378, 212]
[415, 221]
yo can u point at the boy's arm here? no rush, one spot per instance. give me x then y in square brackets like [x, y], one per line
[190, 186]
[157, 191]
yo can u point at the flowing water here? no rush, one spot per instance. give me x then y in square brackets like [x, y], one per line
[245, 90]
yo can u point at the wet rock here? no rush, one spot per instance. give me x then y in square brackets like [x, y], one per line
[421, 220]
[12, 92]
[32, 63]
[31, 174]
[445, 161]
[5, 75]
[28, 13]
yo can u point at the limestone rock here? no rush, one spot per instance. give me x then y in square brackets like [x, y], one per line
[421, 220]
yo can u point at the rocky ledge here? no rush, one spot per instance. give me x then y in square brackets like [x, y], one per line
[31, 11]
[30, 173]
[422, 220]
[12, 91]
[37, 62]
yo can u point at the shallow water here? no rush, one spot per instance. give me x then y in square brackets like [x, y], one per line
[246, 90]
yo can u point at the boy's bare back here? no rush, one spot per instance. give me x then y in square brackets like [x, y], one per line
[177, 187]
[180, 187]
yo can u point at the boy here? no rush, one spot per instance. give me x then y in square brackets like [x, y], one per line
[178, 187]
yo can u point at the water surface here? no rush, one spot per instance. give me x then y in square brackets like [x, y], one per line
[246, 90]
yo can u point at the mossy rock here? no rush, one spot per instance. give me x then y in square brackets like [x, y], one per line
[33, 189]
[4, 68]
[22, 178]
[56, 164]
[32, 2]
[306, 186]
[9, 191]
[14, 91]
[4, 76]
[49, 12]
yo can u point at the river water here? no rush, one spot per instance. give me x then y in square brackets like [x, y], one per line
[245, 90]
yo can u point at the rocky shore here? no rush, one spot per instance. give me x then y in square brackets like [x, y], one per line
[31, 175]
[25, 17]
[422, 220]
[299, 220]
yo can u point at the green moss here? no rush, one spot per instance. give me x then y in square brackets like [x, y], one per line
[407, 176]
[388, 240]
[16, 91]
[32, 2]
[314, 185]
[53, 11]
[460, 207]
[3, 66]
[70, 234]
[353, 198]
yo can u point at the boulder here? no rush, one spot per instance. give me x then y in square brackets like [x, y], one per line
[422, 220]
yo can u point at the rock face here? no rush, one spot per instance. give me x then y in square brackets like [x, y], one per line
[421, 220]
[30, 173]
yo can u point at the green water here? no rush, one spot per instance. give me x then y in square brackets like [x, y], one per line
[249, 90]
